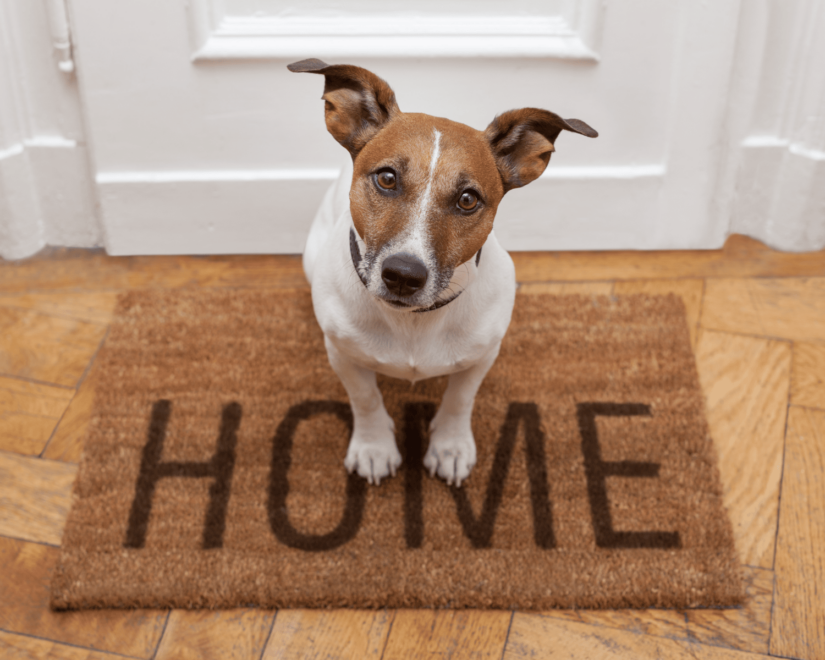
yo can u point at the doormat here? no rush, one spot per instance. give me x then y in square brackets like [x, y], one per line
[212, 474]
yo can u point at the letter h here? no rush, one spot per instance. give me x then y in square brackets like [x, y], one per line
[152, 469]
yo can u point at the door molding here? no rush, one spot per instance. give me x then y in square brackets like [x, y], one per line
[777, 156]
[46, 192]
[270, 211]
[572, 32]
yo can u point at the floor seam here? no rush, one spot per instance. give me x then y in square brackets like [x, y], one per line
[269, 634]
[76, 390]
[779, 502]
[507, 636]
[21, 540]
[162, 635]
[389, 632]
[74, 646]
[35, 381]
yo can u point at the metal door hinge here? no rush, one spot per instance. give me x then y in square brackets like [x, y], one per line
[61, 34]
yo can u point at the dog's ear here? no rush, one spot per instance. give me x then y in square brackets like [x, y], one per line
[358, 103]
[522, 141]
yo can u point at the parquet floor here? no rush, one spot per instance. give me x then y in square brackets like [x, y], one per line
[758, 328]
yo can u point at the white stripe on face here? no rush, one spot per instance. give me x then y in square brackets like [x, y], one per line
[419, 233]
[415, 239]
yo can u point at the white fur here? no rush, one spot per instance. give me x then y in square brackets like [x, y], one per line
[364, 335]
[418, 238]
[415, 239]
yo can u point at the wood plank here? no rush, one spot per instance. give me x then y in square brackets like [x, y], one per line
[66, 443]
[746, 381]
[92, 270]
[658, 623]
[222, 635]
[20, 647]
[25, 573]
[305, 634]
[539, 636]
[29, 413]
[799, 601]
[690, 291]
[568, 288]
[35, 495]
[453, 634]
[792, 308]
[808, 382]
[46, 348]
[740, 257]
[61, 269]
[743, 628]
[96, 307]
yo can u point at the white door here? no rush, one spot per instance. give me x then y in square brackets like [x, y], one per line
[203, 142]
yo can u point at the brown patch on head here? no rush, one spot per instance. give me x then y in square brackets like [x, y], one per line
[466, 164]
[427, 186]
[427, 192]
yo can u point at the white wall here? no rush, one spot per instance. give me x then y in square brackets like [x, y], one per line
[710, 115]
[46, 188]
[777, 119]
[204, 142]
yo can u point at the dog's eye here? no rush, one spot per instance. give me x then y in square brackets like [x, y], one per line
[468, 200]
[386, 180]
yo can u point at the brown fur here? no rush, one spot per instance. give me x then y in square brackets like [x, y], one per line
[466, 162]
[357, 102]
[362, 115]
[523, 140]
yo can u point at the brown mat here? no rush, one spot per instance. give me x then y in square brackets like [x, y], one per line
[213, 473]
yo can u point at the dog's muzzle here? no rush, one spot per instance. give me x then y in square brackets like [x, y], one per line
[404, 274]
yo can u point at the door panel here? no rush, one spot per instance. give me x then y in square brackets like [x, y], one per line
[204, 143]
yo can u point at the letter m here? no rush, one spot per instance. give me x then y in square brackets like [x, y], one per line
[479, 529]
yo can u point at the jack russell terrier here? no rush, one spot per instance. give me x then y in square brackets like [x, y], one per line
[407, 276]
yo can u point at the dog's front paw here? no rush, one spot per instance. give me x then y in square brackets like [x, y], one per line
[372, 452]
[372, 461]
[451, 454]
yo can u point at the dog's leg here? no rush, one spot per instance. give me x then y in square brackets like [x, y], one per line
[452, 450]
[372, 451]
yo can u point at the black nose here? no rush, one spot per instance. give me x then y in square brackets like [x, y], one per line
[404, 274]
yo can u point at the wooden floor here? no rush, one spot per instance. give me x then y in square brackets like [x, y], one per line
[758, 327]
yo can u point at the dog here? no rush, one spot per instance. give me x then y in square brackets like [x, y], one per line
[407, 277]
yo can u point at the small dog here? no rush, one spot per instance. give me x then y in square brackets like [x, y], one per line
[407, 276]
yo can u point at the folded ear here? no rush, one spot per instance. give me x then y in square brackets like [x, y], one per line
[522, 141]
[358, 103]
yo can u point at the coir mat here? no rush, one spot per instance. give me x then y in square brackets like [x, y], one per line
[212, 474]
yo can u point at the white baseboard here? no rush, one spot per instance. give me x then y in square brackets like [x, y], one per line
[587, 208]
[270, 211]
[781, 194]
[65, 192]
[21, 227]
[217, 212]
[46, 197]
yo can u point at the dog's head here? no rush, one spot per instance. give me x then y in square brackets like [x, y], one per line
[425, 189]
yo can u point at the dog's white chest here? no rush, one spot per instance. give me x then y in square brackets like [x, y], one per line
[402, 344]
[413, 354]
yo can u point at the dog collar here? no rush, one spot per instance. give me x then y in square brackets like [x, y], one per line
[461, 278]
